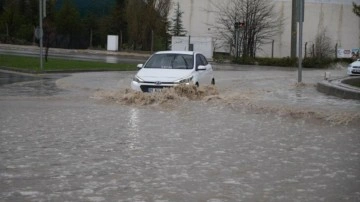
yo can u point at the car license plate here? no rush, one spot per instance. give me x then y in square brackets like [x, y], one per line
[356, 70]
[152, 90]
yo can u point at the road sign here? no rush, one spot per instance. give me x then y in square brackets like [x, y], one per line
[39, 33]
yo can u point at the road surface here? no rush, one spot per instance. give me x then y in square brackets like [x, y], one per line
[261, 138]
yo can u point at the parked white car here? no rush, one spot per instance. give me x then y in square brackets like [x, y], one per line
[171, 68]
[354, 68]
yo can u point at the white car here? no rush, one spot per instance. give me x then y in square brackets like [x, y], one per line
[171, 68]
[354, 68]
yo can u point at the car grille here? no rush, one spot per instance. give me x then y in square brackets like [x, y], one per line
[356, 67]
[159, 83]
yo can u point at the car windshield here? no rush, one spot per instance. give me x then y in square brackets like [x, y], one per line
[171, 61]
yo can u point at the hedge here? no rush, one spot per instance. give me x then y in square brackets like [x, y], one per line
[290, 62]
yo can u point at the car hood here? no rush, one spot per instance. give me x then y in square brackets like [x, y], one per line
[356, 63]
[163, 75]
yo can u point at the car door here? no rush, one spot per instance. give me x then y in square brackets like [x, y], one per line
[205, 75]
[201, 74]
[209, 71]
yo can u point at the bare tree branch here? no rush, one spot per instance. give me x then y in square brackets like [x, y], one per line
[261, 23]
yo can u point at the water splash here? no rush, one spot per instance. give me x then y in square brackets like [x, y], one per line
[173, 95]
[251, 100]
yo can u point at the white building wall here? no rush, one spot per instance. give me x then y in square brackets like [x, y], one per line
[336, 16]
[196, 18]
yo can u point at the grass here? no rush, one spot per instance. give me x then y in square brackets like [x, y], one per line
[357, 84]
[32, 64]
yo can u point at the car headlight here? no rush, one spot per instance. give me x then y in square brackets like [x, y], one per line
[138, 79]
[184, 81]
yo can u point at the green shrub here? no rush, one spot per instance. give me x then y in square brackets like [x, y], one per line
[290, 62]
[344, 60]
[316, 62]
[13, 40]
[25, 33]
[244, 61]
[222, 57]
[282, 62]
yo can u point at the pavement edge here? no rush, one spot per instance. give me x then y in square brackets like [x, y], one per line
[339, 88]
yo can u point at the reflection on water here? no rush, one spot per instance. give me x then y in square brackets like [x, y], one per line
[42, 87]
[111, 59]
[27, 85]
[9, 78]
[133, 127]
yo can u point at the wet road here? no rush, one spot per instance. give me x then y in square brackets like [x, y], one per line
[9, 78]
[22, 84]
[77, 56]
[264, 138]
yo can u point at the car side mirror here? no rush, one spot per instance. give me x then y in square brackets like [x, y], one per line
[201, 68]
[140, 66]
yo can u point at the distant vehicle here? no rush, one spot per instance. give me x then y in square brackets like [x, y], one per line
[354, 68]
[170, 68]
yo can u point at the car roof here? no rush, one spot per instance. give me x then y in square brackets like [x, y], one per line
[176, 52]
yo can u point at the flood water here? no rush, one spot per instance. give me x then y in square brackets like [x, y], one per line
[22, 84]
[259, 136]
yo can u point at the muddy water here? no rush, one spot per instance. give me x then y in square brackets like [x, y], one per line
[256, 136]
[274, 91]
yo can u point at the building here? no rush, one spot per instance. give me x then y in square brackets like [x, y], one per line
[334, 16]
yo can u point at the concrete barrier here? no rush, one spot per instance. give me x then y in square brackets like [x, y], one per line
[340, 88]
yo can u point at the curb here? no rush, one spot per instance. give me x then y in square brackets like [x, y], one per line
[338, 88]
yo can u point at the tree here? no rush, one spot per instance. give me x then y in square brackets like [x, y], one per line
[356, 9]
[118, 24]
[134, 16]
[147, 20]
[177, 27]
[260, 23]
[323, 45]
[68, 21]
[11, 17]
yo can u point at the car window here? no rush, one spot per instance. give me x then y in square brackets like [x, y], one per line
[205, 62]
[199, 61]
[170, 61]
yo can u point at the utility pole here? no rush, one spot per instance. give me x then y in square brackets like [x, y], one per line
[301, 5]
[41, 33]
[44, 8]
[294, 28]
